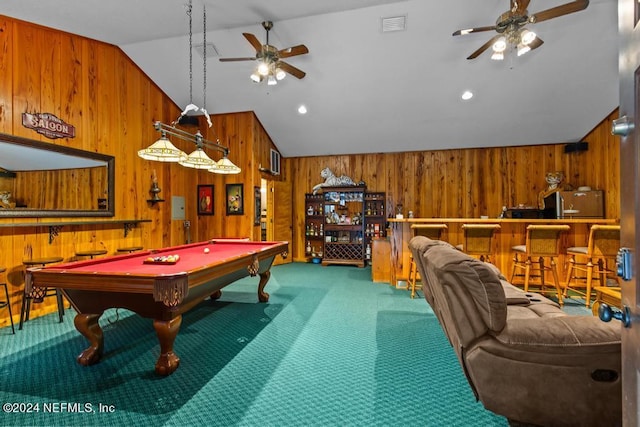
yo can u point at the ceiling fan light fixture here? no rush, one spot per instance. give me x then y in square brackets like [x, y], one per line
[527, 36]
[271, 80]
[497, 56]
[255, 77]
[263, 68]
[522, 49]
[500, 45]
[280, 74]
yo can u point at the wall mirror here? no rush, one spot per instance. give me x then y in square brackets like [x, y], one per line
[38, 179]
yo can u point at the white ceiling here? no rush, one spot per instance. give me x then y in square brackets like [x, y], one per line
[368, 91]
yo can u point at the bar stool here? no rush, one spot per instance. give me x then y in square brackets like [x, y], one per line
[91, 253]
[129, 249]
[603, 245]
[433, 232]
[478, 240]
[7, 302]
[38, 294]
[542, 242]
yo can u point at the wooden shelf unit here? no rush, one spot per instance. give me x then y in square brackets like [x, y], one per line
[341, 223]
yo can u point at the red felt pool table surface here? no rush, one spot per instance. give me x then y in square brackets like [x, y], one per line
[158, 291]
[192, 257]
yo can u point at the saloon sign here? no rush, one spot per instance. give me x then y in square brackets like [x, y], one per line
[48, 125]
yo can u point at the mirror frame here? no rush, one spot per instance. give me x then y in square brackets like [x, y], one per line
[44, 213]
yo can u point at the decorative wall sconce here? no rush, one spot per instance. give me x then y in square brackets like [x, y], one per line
[155, 198]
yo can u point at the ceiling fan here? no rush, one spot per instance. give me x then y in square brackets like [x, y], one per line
[270, 65]
[510, 27]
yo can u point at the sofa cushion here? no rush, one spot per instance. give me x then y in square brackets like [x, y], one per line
[559, 332]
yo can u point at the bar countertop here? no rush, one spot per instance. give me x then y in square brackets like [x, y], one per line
[508, 220]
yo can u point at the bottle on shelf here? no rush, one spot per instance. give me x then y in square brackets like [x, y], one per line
[368, 251]
[308, 248]
[503, 214]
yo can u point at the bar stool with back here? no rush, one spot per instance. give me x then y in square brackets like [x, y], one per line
[542, 243]
[432, 231]
[37, 294]
[7, 301]
[603, 245]
[478, 240]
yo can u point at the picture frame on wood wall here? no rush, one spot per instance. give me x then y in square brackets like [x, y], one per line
[205, 200]
[235, 199]
[257, 203]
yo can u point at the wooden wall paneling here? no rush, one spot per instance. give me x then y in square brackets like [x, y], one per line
[89, 120]
[6, 75]
[26, 82]
[52, 77]
[472, 182]
[422, 189]
[72, 85]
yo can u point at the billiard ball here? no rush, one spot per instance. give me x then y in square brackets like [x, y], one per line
[206, 250]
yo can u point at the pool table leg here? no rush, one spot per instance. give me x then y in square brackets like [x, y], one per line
[88, 326]
[167, 330]
[264, 278]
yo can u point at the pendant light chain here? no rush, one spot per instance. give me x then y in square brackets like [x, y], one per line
[204, 56]
[190, 55]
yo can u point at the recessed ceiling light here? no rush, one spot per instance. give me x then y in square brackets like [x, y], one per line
[467, 95]
[302, 109]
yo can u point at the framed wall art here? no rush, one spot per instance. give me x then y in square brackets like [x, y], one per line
[257, 203]
[235, 199]
[205, 199]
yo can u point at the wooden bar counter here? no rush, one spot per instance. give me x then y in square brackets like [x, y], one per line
[511, 233]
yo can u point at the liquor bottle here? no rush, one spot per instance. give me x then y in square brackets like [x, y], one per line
[321, 229]
[503, 214]
[368, 252]
[308, 248]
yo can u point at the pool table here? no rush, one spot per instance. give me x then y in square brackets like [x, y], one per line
[154, 288]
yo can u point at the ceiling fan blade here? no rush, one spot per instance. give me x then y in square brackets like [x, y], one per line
[474, 30]
[520, 6]
[293, 51]
[484, 47]
[254, 41]
[252, 58]
[554, 12]
[296, 72]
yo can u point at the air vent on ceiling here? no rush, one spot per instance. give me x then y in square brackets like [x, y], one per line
[394, 23]
[212, 52]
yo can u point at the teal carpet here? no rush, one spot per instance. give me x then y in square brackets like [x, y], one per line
[330, 348]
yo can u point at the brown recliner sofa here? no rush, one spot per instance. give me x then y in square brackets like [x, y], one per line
[524, 358]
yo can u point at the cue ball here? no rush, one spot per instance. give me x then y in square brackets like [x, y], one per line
[206, 250]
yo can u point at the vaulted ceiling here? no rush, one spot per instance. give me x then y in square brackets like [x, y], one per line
[367, 90]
